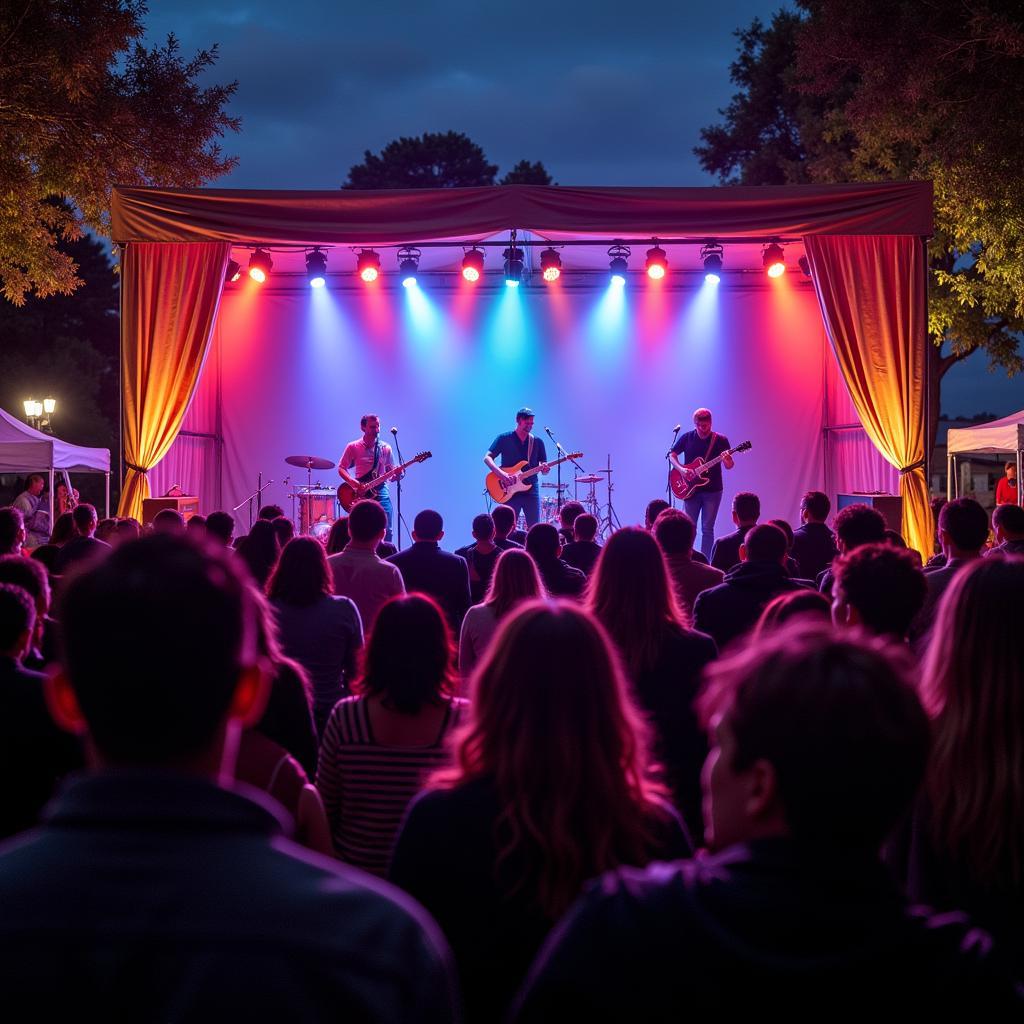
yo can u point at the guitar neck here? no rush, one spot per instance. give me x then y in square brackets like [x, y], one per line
[536, 469]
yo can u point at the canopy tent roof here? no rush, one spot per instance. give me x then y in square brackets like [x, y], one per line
[1004, 435]
[25, 450]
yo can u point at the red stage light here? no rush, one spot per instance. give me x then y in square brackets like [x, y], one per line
[368, 265]
[260, 265]
[473, 265]
[657, 263]
[550, 265]
[773, 260]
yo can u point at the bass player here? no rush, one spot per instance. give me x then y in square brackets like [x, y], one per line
[516, 446]
[368, 458]
[703, 443]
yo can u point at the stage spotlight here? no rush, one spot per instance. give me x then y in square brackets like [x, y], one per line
[618, 263]
[657, 263]
[550, 265]
[513, 266]
[711, 257]
[260, 265]
[473, 265]
[773, 260]
[368, 265]
[316, 268]
[233, 272]
[804, 265]
[408, 264]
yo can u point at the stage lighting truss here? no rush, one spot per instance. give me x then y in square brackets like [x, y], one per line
[618, 263]
[408, 264]
[773, 260]
[233, 272]
[316, 268]
[473, 264]
[550, 265]
[657, 262]
[514, 266]
[368, 265]
[260, 265]
[711, 256]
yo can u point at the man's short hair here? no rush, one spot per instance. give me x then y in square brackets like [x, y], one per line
[542, 542]
[1009, 518]
[504, 518]
[569, 511]
[525, 413]
[1010, 464]
[162, 592]
[221, 525]
[84, 516]
[783, 525]
[884, 583]
[674, 531]
[32, 477]
[428, 525]
[765, 543]
[168, 520]
[654, 509]
[747, 506]
[271, 512]
[17, 614]
[837, 717]
[30, 575]
[817, 505]
[284, 528]
[701, 414]
[198, 522]
[584, 526]
[366, 417]
[483, 526]
[12, 523]
[366, 520]
[860, 524]
[966, 522]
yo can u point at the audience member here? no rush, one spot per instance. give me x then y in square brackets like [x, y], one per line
[583, 551]
[795, 604]
[82, 549]
[429, 570]
[34, 753]
[505, 533]
[515, 580]
[220, 527]
[357, 571]
[1008, 527]
[128, 528]
[1006, 488]
[497, 849]
[746, 510]
[814, 544]
[819, 744]
[481, 556]
[196, 527]
[270, 512]
[567, 517]
[285, 530]
[169, 520]
[106, 529]
[162, 893]
[31, 576]
[380, 745]
[675, 533]
[320, 631]
[856, 524]
[654, 509]
[259, 550]
[46, 555]
[790, 565]
[337, 539]
[63, 529]
[34, 511]
[727, 611]
[964, 849]
[12, 530]
[938, 558]
[560, 579]
[879, 587]
[631, 595]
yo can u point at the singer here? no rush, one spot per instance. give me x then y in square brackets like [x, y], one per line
[517, 446]
[368, 458]
[703, 443]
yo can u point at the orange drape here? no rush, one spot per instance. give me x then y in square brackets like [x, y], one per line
[171, 295]
[872, 293]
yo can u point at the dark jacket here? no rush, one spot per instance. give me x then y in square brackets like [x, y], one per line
[582, 555]
[730, 609]
[561, 579]
[441, 574]
[936, 583]
[726, 552]
[758, 932]
[814, 547]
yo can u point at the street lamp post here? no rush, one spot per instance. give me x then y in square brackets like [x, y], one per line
[38, 414]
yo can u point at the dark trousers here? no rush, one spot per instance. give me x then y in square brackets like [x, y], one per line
[529, 502]
[704, 504]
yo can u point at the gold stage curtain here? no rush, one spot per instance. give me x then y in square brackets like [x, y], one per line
[171, 295]
[873, 296]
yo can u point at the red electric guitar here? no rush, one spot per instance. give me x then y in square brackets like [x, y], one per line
[348, 495]
[694, 474]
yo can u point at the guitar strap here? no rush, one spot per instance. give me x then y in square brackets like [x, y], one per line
[529, 450]
[711, 444]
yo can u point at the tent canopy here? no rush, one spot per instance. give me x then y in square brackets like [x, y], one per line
[993, 438]
[26, 450]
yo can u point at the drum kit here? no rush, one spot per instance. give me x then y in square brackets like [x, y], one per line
[318, 505]
[549, 505]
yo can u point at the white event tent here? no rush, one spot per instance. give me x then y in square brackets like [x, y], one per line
[1004, 436]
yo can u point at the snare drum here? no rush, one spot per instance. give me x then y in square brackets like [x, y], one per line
[317, 506]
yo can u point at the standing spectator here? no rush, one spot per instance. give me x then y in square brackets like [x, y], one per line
[30, 504]
[582, 553]
[220, 528]
[285, 530]
[169, 520]
[337, 539]
[128, 528]
[505, 533]
[548, 787]
[515, 580]
[83, 547]
[106, 530]
[802, 604]
[1008, 527]
[63, 529]
[12, 530]
[1006, 488]
[380, 745]
[814, 544]
[560, 579]
[631, 596]
[675, 533]
[654, 509]
[567, 517]
[481, 556]
[746, 510]
[196, 527]
[855, 525]
[260, 549]
[270, 513]
[790, 564]
[323, 633]
[879, 587]
[30, 574]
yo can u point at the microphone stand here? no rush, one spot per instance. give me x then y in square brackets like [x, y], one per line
[398, 488]
[258, 494]
[668, 459]
[558, 468]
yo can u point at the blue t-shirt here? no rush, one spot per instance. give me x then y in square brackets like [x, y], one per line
[510, 450]
[692, 446]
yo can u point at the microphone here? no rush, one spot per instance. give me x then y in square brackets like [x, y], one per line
[394, 430]
[677, 428]
[547, 430]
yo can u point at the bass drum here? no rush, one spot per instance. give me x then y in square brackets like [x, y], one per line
[321, 530]
[549, 511]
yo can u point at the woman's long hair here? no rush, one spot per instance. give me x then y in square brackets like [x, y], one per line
[302, 575]
[973, 688]
[259, 549]
[515, 580]
[632, 596]
[409, 658]
[337, 539]
[552, 725]
[63, 529]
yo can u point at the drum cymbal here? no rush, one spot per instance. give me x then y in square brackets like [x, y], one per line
[594, 478]
[309, 462]
[560, 487]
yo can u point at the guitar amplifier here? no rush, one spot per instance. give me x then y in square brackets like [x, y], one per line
[890, 505]
[187, 506]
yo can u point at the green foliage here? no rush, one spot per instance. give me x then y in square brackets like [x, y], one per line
[526, 173]
[85, 106]
[433, 160]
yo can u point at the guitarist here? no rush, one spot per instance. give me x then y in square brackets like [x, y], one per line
[703, 443]
[366, 457]
[520, 445]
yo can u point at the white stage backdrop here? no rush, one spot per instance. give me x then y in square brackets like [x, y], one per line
[611, 372]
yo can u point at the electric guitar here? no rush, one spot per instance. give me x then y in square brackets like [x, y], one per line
[501, 491]
[694, 474]
[348, 495]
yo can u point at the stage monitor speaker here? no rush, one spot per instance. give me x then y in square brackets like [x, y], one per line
[187, 506]
[890, 505]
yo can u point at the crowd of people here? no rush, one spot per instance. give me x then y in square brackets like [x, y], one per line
[537, 777]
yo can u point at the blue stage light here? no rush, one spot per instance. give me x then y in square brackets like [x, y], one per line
[408, 264]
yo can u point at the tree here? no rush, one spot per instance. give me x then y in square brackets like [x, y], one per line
[433, 160]
[893, 89]
[526, 173]
[84, 106]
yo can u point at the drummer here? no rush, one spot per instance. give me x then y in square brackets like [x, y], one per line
[368, 457]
